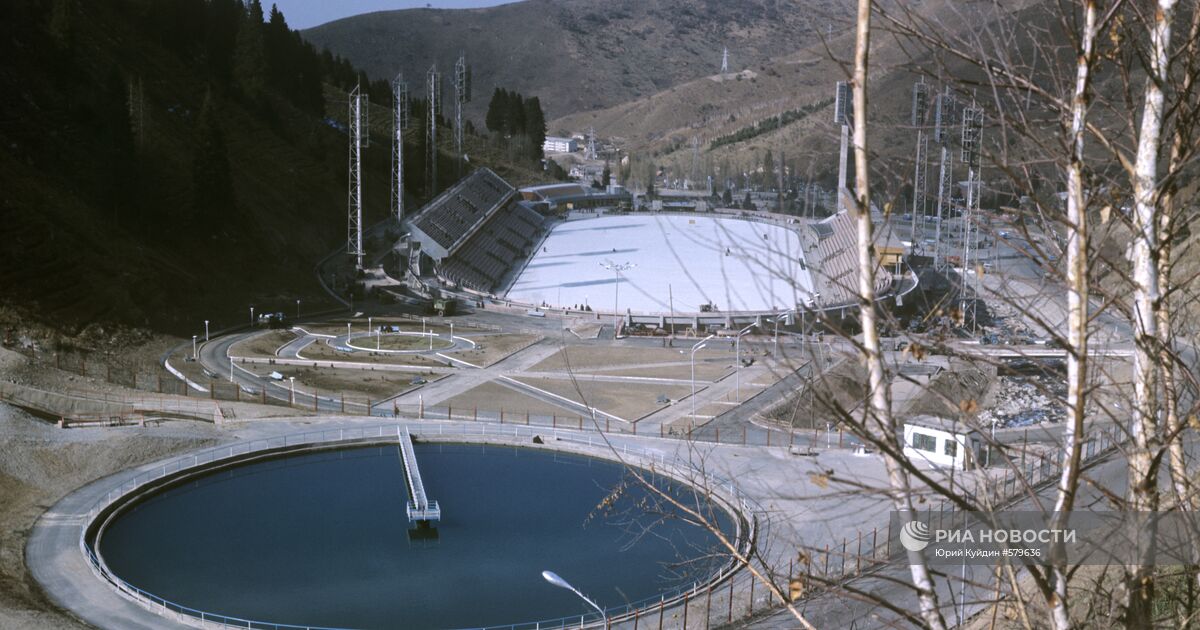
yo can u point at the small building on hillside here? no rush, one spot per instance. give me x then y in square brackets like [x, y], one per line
[555, 144]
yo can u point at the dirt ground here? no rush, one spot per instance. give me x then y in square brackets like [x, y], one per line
[39, 464]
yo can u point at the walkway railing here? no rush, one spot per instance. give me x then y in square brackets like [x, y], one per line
[419, 507]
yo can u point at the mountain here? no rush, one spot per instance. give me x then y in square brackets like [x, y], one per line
[579, 55]
[734, 118]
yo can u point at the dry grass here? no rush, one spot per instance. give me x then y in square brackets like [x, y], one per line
[624, 400]
[711, 362]
[405, 342]
[354, 383]
[321, 351]
[493, 348]
[495, 397]
[262, 345]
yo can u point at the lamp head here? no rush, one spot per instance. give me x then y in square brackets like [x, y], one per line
[554, 579]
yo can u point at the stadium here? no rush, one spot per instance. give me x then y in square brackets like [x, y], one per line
[481, 240]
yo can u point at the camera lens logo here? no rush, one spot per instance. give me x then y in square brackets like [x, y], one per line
[915, 536]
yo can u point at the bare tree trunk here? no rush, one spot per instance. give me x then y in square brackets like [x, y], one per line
[1180, 152]
[879, 406]
[1181, 482]
[1143, 456]
[1077, 313]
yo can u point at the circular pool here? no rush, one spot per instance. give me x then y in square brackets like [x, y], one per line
[322, 538]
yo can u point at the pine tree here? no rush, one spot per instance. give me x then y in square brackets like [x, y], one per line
[535, 127]
[494, 119]
[514, 115]
[212, 182]
[62, 27]
[250, 57]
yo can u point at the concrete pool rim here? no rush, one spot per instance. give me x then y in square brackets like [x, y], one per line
[91, 507]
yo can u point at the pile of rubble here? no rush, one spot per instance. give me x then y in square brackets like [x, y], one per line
[1020, 401]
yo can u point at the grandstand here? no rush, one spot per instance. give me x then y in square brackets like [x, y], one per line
[837, 249]
[477, 231]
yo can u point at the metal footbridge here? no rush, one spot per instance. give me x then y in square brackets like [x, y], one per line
[420, 508]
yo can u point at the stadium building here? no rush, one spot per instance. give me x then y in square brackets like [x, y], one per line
[484, 239]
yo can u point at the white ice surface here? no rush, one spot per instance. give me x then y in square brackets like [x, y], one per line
[735, 264]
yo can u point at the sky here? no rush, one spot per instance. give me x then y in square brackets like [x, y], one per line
[303, 14]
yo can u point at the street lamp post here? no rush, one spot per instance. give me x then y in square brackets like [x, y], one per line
[230, 369]
[699, 344]
[616, 269]
[555, 580]
[297, 309]
[252, 317]
[779, 317]
[737, 366]
[292, 381]
[452, 333]
[206, 330]
[193, 347]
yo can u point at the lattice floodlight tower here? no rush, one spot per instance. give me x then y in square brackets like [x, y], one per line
[843, 115]
[433, 85]
[357, 120]
[462, 95]
[943, 116]
[920, 107]
[725, 61]
[400, 122]
[972, 130]
[591, 147]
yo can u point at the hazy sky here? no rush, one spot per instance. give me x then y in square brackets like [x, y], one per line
[306, 13]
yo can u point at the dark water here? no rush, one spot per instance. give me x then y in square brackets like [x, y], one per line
[323, 539]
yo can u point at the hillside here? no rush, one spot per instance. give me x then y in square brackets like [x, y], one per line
[160, 164]
[579, 55]
[800, 85]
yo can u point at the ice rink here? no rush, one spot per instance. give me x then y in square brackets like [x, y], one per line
[734, 264]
